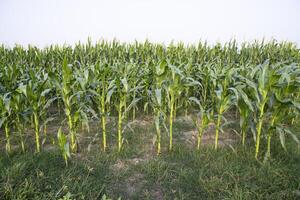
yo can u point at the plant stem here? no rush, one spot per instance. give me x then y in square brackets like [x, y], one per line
[37, 131]
[258, 129]
[158, 132]
[243, 137]
[199, 139]
[217, 130]
[133, 109]
[120, 126]
[269, 138]
[8, 147]
[103, 119]
[72, 134]
[20, 128]
[171, 123]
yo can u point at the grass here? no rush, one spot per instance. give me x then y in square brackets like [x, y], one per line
[137, 173]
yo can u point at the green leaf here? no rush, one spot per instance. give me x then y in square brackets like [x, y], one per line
[22, 89]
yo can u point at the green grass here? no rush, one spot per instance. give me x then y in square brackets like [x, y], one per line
[181, 174]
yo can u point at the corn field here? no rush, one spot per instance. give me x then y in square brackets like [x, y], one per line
[258, 81]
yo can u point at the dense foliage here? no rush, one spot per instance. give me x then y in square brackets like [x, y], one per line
[259, 81]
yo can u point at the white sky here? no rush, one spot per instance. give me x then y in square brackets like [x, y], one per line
[43, 22]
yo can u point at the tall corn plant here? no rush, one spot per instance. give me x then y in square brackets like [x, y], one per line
[263, 76]
[175, 87]
[102, 88]
[70, 86]
[223, 98]
[5, 121]
[35, 92]
[123, 89]
[243, 104]
[157, 100]
[266, 83]
[280, 104]
[21, 116]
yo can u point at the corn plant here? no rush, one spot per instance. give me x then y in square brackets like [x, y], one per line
[281, 102]
[35, 92]
[174, 89]
[63, 145]
[21, 116]
[204, 116]
[123, 89]
[102, 88]
[157, 94]
[5, 106]
[224, 98]
[243, 104]
[70, 96]
[258, 81]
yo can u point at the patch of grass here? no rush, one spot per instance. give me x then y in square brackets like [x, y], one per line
[181, 174]
[44, 176]
[137, 173]
[187, 174]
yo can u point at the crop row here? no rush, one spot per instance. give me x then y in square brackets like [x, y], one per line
[260, 81]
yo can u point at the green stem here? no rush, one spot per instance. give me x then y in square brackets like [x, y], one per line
[37, 131]
[158, 133]
[243, 137]
[217, 130]
[120, 126]
[21, 131]
[103, 119]
[174, 110]
[133, 109]
[269, 138]
[171, 123]
[244, 128]
[258, 129]
[8, 147]
[199, 139]
[72, 134]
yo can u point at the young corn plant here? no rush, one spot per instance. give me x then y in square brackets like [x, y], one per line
[174, 89]
[281, 103]
[123, 89]
[137, 84]
[71, 92]
[201, 120]
[264, 76]
[224, 98]
[244, 105]
[64, 145]
[35, 93]
[102, 89]
[157, 94]
[5, 121]
[277, 115]
[21, 116]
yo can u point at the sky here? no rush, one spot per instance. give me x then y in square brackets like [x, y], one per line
[45, 22]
